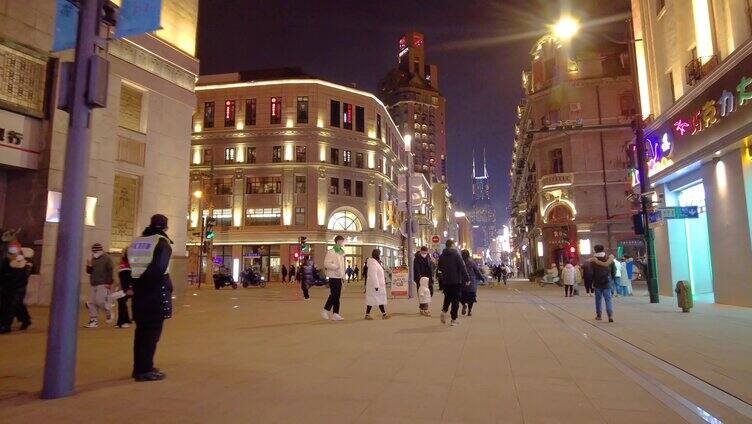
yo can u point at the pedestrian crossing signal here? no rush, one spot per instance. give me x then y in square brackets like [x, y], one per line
[210, 234]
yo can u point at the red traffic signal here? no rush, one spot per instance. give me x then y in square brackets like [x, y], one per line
[572, 250]
[296, 255]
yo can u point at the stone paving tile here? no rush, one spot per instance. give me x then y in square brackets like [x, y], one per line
[272, 359]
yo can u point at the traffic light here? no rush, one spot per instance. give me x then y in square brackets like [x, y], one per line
[572, 250]
[296, 255]
[209, 231]
[305, 248]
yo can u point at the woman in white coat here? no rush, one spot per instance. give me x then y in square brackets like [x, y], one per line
[375, 286]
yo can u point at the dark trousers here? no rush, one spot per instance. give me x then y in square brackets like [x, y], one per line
[145, 345]
[568, 290]
[284, 277]
[304, 287]
[335, 290]
[589, 287]
[452, 296]
[12, 306]
[123, 315]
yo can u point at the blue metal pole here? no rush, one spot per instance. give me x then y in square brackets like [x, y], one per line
[60, 363]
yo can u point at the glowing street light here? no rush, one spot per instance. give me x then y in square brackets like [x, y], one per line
[566, 28]
[408, 141]
[197, 194]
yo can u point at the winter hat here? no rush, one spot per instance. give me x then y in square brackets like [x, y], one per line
[96, 247]
[158, 221]
[14, 247]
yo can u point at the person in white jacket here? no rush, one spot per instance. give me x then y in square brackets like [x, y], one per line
[376, 286]
[568, 277]
[334, 267]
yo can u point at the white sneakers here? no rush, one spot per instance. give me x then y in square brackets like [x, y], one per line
[443, 317]
[325, 314]
[337, 317]
[92, 324]
[454, 323]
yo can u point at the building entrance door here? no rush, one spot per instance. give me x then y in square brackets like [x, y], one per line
[698, 242]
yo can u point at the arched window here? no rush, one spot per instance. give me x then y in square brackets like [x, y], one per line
[344, 221]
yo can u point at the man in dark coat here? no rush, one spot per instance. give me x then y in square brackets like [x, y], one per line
[149, 257]
[603, 270]
[452, 275]
[14, 276]
[423, 267]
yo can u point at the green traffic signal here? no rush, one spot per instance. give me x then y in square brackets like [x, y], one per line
[210, 235]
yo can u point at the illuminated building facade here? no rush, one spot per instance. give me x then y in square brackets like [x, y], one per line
[483, 214]
[280, 155]
[139, 143]
[569, 172]
[411, 92]
[695, 75]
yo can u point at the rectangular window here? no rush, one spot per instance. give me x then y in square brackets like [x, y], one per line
[263, 185]
[277, 154]
[223, 186]
[626, 101]
[334, 156]
[229, 155]
[275, 110]
[209, 115]
[347, 116]
[557, 161]
[347, 158]
[299, 216]
[334, 114]
[207, 157]
[302, 109]
[300, 184]
[250, 111]
[129, 113]
[360, 119]
[359, 160]
[229, 113]
[223, 217]
[263, 216]
[334, 186]
[300, 153]
[250, 156]
[358, 188]
[347, 187]
[378, 126]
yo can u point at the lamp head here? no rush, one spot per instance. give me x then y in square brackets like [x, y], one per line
[566, 28]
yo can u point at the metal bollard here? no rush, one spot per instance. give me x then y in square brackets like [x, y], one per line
[684, 295]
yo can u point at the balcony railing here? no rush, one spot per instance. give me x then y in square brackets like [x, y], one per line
[556, 180]
[699, 68]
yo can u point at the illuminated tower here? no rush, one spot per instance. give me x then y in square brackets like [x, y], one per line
[483, 215]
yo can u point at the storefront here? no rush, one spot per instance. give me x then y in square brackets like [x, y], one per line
[701, 156]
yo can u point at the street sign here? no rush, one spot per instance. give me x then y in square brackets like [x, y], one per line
[138, 17]
[674, 212]
[435, 239]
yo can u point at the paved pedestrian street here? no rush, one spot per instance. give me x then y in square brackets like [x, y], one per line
[527, 355]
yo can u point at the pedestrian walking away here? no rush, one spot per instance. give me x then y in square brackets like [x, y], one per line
[470, 289]
[504, 273]
[149, 258]
[452, 274]
[292, 273]
[334, 267]
[587, 277]
[356, 274]
[602, 271]
[568, 278]
[101, 277]
[307, 278]
[124, 275]
[376, 287]
[283, 271]
[14, 277]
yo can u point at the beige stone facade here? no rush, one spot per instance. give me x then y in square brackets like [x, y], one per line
[569, 171]
[139, 142]
[279, 159]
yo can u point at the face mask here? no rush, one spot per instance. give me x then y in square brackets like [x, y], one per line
[97, 254]
[12, 250]
[424, 254]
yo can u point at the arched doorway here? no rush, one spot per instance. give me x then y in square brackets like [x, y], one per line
[348, 223]
[559, 235]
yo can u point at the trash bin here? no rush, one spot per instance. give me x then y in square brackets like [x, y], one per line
[684, 295]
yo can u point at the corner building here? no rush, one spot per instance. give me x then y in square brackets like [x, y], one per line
[280, 155]
[695, 68]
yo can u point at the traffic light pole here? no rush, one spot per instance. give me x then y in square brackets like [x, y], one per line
[201, 247]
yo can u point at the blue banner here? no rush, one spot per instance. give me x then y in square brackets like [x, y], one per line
[66, 23]
[138, 17]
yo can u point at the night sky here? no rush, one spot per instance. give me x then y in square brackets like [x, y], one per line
[479, 46]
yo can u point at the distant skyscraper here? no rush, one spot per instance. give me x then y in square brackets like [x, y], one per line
[411, 92]
[483, 214]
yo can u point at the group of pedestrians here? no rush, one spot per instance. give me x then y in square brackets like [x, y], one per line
[291, 273]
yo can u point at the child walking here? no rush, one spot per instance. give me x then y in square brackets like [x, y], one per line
[424, 297]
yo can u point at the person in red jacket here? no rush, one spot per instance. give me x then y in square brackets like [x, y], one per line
[124, 275]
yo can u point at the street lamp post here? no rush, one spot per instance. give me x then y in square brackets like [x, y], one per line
[567, 28]
[409, 206]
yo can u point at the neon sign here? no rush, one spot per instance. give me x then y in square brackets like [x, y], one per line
[711, 112]
[659, 151]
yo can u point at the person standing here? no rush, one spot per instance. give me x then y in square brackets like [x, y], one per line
[376, 287]
[334, 266]
[14, 277]
[124, 275]
[603, 271]
[349, 272]
[307, 278]
[149, 257]
[292, 273]
[100, 271]
[452, 275]
[587, 277]
[470, 289]
[568, 277]
[283, 271]
[628, 270]
[423, 267]
[504, 273]
[616, 278]
[356, 273]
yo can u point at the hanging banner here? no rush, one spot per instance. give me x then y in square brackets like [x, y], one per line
[66, 22]
[399, 282]
[138, 17]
